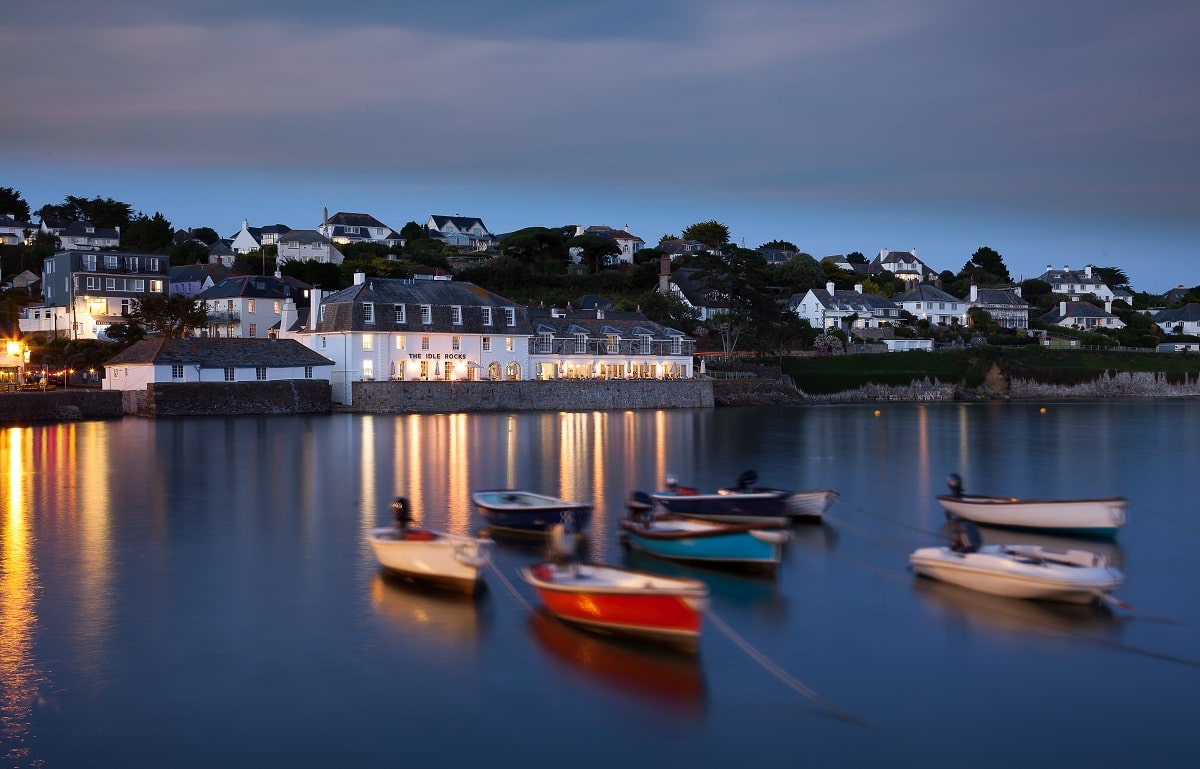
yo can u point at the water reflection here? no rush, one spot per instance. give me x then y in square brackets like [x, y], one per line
[647, 675]
[19, 675]
[746, 590]
[433, 617]
[981, 612]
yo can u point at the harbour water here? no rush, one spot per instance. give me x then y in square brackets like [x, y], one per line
[199, 592]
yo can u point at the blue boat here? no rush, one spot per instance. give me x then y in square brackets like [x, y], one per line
[528, 512]
[746, 502]
[756, 546]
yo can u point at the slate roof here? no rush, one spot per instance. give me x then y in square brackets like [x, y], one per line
[343, 310]
[1077, 310]
[925, 292]
[304, 236]
[350, 219]
[463, 223]
[219, 353]
[996, 297]
[591, 302]
[196, 273]
[254, 287]
[842, 299]
[627, 325]
[1189, 313]
[695, 288]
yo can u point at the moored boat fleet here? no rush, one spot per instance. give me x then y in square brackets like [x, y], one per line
[743, 527]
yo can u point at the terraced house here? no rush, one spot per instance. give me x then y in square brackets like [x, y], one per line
[447, 331]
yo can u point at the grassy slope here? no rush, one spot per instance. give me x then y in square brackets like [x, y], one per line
[846, 372]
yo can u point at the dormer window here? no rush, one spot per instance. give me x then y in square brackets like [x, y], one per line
[456, 315]
[487, 315]
[368, 312]
[400, 314]
[510, 316]
[426, 314]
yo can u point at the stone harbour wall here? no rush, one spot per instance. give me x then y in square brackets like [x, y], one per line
[386, 397]
[289, 396]
[1135, 384]
[64, 405]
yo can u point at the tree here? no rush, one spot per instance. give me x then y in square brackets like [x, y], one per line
[206, 235]
[1113, 277]
[799, 274]
[711, 233]
[990, 261]
[593, 249]
[780, 245]
[413, 231]
[667, 236]
[173, 317]
[101, 212]
[12, 203]
[536, 245]
[189, 252]
[148, 234]
[856, 257]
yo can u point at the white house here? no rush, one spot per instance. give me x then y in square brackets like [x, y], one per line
[307, 246]
[81, 236]
[460, 231]
[1083, 315]
[1182, 320]
[928, 302]
[1076, 283]
[1005, 305]
[248, 306]
[14, 231]
[627, 243]
[903, 264]
[346, 227]
[194, 359]
[250, 239]
[831, 308]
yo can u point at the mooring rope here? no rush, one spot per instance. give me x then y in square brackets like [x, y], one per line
[1171, 520]
[786, 678]
[508, 585]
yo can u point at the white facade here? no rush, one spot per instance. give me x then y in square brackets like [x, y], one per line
[135, 376]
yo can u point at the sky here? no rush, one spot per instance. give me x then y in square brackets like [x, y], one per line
[1059, 133]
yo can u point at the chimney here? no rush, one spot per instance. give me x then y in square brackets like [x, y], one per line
[314, 311]
[829, 287]
[287, 315]
[858, 288]
[1062, 309]
[360, 278]
[974, 293]
[1088, 271]
[664, 273]
[1017, 291]
[1108, 306]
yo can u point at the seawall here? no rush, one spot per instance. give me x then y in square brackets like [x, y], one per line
[553, 395]
[67, 405]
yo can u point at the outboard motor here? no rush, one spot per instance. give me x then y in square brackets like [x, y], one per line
[964, 537]
[954, 481]
[640, 505]
[402, 513]
[746, 480]
[562, 545]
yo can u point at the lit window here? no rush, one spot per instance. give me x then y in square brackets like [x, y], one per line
[368, 341]
[400, 342]
[508, 344]
[249, 305]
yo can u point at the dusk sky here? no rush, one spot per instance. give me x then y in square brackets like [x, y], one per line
[1063, 133]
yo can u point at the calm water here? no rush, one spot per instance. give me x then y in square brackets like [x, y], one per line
[198, 593]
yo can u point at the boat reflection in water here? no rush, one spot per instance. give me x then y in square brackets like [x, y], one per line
[648, 673]
[1016, 616]
[429, 615]
[744, 589]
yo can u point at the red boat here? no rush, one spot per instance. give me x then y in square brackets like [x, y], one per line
[611, 600]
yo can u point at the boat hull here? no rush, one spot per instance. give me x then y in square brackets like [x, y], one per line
[775, 506]
[526, 512]
[708, 543]
[1092, 517]
[441, 560]
[610, 600]
[1021, 572]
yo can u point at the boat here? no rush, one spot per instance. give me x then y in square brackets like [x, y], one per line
[745, 502]
[426, 556]
[757, 546]
[529, 512]
[611, 600]
[1099, 517]
[1018, 571]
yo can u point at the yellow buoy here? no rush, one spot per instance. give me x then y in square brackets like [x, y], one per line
[876, 412]
[1042, 410]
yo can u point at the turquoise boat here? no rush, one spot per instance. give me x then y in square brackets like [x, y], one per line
[752, 546]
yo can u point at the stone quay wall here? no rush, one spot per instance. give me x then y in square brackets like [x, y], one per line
[386, 397]
[64, 405]
[194, 399]
[1121, 384]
